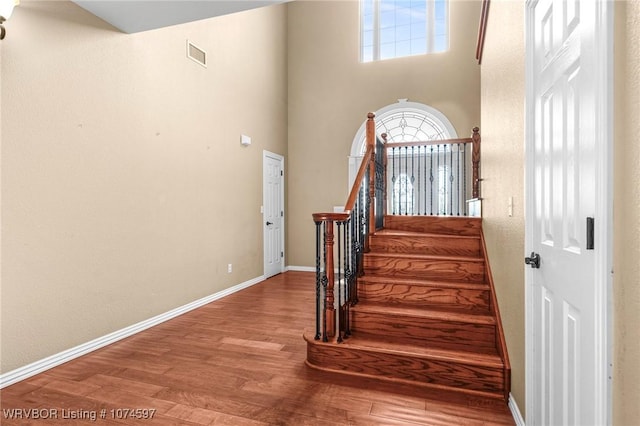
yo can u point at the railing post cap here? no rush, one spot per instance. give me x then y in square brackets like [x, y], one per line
[371, 115]
[476, 129]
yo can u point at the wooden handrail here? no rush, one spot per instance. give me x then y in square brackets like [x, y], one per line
[482, 30]
[334, 217]
[366, 160]
[353, 195]
[432, 142]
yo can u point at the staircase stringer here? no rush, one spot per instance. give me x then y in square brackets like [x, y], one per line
[495, 310]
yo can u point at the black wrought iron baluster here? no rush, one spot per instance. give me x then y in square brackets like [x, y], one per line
[359, 244]
[347, 275]
[367, 207]
[425, 179]
[431, 178]
[379, 184]
[339, 275]
[438, 178]
[450, 179]
[393, 180]
[406, 177]
[458, 178]
[413, 179]
[324, 282]
[418, 190]
[318, 279]
[464, 178]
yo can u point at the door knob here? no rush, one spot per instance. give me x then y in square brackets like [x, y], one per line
[533, 260]
[269, 223]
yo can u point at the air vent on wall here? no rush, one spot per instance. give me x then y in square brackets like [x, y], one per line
[196, 54]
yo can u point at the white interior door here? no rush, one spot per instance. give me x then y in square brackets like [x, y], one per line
[566, 368]
[273, 212]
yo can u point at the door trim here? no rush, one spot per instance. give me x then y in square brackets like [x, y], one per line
[603, 75]
[279, 157]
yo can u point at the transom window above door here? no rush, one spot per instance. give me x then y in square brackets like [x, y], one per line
[398, 28]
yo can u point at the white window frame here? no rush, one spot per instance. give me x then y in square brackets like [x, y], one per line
[430, 22]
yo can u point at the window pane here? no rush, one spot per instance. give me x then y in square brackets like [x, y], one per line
[403, 16]
[419, 7]
[403, 33]
[367, 38]
[387, 50]
[366, 7]
[387, 18]
[403, 48]
[418, 46]
[419, 30]
[367, 22]
[441, 10]
[367, 54]
[388, 35]
[440, 44]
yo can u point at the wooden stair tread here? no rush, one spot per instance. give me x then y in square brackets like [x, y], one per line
[386, 345]
[402, 233]
[445, 314]
[380, 278]
[437, 257]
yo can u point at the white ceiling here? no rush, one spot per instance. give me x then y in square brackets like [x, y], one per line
[131, 16]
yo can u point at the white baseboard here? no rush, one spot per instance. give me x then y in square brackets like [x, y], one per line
[301, 268]
[38, 367]
[515, 411]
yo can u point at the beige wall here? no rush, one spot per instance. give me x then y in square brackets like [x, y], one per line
[626, 281]
[503, 138]
[502, 165]
[125, 190]
[330, 93]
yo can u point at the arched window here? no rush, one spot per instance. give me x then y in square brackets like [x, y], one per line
[405, 122]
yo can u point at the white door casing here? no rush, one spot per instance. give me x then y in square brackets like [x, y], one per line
[273, 212]
[568, 179]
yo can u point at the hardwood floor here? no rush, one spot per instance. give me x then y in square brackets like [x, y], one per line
[236, 361]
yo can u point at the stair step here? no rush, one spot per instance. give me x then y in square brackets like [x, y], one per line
[363, 355]
[435, 224]
[431, 267]
[407, 291]
[396, 241]
[489, 358]
[461, 330]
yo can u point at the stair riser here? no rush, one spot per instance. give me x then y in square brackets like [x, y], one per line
[446, 270]
[417, 295]
[434, 224]
[457, 376]
[442, 246]
[421, 331]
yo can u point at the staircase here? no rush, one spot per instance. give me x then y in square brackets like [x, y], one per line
[426, 312]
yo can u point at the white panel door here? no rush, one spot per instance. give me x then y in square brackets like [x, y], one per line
[273, 213]
[563, 295]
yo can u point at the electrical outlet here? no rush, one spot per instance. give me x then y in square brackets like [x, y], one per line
[229, 268]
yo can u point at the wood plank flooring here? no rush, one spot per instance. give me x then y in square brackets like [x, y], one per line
[236, 361]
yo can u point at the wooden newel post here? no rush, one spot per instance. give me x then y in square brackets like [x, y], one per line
[329, 310]
[475, 163]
